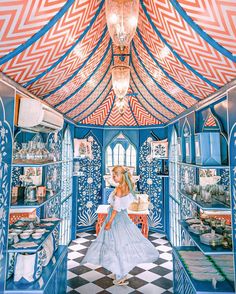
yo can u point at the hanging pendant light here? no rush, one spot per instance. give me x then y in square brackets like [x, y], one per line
[120, 80]
[122, 20]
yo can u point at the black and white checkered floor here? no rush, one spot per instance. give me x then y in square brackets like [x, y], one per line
[150, 278]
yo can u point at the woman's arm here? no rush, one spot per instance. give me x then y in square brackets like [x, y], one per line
[108, 224]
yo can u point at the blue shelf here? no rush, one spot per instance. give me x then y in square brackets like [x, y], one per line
[176, 200]
[202, 287]
[24, 164]
[162, 176]
[206, 249]
[36, 204]
[204, 166]
[216, 205]
[48, 274]
[39, 242]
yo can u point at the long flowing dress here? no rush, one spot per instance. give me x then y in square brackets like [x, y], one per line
[122, 247]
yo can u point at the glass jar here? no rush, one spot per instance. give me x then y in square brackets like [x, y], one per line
[213, 223]
[38, 152]
[31, 151]
[45, 152]
[22, 154]
[224, 242]
[15, 151]
[213, 244]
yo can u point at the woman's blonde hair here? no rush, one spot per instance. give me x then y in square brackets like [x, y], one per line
[119, 169]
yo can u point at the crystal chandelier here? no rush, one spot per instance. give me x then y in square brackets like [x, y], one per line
[120, 80]
[122, 20]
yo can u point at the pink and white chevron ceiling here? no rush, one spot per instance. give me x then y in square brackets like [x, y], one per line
[61, 51]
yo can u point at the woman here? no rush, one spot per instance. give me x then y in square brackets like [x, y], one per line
[120, 245]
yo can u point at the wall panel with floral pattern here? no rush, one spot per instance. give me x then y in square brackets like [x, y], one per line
[89, 186]
[153, 185]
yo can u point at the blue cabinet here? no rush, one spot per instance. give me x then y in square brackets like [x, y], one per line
[52, 281]
[184, 283]
[208, 148]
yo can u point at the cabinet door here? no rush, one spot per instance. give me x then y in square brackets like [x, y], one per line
[58, 282]
[61, 280]
[178, 277]
[188, 288]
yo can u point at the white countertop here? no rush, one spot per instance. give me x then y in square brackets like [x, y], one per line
[104, 208]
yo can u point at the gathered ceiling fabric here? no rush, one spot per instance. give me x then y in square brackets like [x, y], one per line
[61, 51]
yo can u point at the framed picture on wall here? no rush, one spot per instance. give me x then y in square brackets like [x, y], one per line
[35, 173]
[82, 148]
[159, 149]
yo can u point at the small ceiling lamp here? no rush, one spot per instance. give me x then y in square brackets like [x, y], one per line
[122, 20]
[120, 80]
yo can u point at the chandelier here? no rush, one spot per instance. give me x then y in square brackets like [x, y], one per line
[120, 80]
[122, 20]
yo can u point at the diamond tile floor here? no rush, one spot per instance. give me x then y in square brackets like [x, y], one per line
[147, 278]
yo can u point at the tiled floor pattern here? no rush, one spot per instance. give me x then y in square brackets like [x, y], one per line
[148, 278]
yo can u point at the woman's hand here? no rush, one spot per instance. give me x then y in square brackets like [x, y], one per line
[107, 226]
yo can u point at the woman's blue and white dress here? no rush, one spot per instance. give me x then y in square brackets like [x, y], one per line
[122, 247]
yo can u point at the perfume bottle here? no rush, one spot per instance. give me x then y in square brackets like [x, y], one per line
[22, 154]
[225, 243]
[213, 224]
[213, 244]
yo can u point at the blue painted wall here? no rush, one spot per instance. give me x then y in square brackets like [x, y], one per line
[6, 130]
[104, 137]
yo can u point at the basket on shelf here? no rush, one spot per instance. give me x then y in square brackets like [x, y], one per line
[141, 203]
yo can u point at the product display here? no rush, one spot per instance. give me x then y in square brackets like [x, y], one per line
[200, 267]
[33, 152]
[199, 229]
[209, 191]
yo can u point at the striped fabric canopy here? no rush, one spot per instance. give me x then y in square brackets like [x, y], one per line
[61, 51]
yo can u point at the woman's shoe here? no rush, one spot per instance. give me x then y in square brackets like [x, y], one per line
[121, 282]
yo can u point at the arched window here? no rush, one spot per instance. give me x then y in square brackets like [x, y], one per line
[109, 156]
[121, 152]
[131, 156]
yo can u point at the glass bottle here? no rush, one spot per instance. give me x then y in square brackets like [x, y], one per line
[45, 152]
[213, 244]
[224, 241]
[15, 151]
[213, 224]
[38, 152]
[31, 151]
[222, 222]
[22, 154]
[230, 242]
